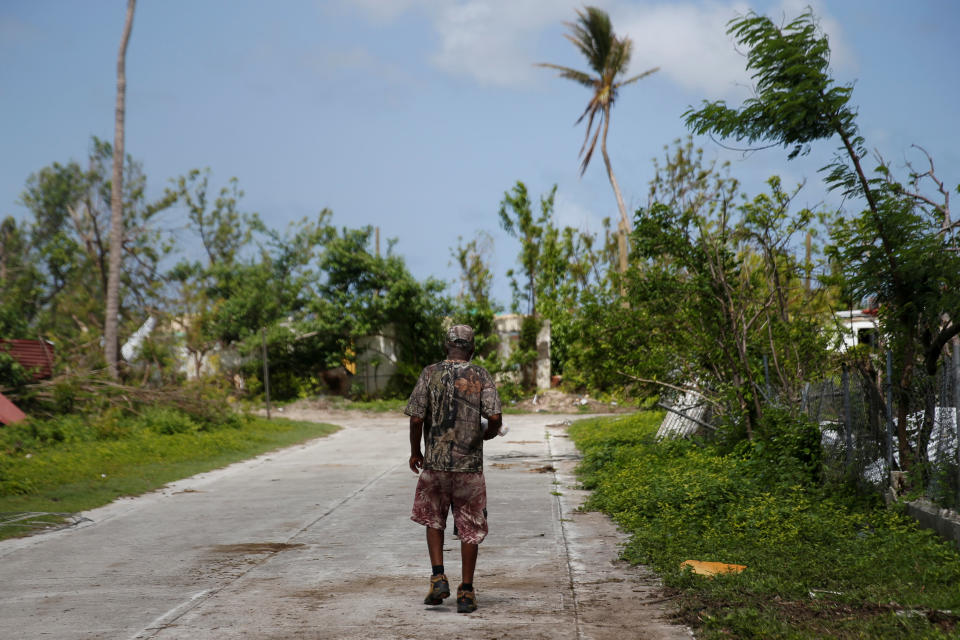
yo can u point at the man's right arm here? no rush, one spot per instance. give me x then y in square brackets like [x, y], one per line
[416, 433]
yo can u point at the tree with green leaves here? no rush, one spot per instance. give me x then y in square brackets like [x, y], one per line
[902, 247]
[59, 263]
[518, 220]
[475, 304]
[559, 266]
[222, 228]
[715, 289]
[609, 58]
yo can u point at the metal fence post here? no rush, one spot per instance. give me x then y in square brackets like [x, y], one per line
[956, 407]
[889, 387]
[847, 418]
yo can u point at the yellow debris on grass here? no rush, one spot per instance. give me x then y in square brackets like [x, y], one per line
[712, 568]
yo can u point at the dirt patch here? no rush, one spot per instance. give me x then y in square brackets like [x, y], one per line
[545, 469]
[253, 548]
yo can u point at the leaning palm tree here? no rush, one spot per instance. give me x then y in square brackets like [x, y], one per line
[609, 57]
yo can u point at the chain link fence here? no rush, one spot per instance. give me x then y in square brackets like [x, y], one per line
[860, 414]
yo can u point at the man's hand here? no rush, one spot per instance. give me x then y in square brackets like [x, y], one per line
[493, 426]
[416, 462]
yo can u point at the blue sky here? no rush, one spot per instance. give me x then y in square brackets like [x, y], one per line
[416, 115]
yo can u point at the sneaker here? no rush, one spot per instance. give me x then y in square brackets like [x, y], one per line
[466, 601]
[439, 589]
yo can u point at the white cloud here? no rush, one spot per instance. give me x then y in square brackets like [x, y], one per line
[689, 43]
[495, 42]
[387, 10]
[491, 41]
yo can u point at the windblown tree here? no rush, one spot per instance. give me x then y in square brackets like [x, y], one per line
[901, 248]
[110, 336]
[609, 58]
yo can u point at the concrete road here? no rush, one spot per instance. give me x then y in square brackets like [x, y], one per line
[315, 541]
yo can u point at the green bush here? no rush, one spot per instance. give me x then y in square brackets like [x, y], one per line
[759, 506]
[12, 373]
[786, 447]
[168, 421]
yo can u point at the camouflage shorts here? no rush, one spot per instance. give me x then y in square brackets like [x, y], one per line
[438, 491]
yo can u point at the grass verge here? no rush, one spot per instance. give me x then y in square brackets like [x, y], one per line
[821, 561]
[75, 463]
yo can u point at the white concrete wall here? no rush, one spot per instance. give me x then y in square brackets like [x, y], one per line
[376, 360]
[508, 330]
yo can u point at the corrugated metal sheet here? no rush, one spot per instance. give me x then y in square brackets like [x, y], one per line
[36, 355]
[9, 413]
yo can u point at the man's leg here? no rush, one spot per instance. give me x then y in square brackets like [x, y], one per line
[468, 559]
[439, 587]
[435, 545]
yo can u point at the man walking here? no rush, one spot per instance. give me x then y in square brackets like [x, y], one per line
[445, 408]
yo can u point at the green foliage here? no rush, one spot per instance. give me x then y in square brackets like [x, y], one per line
[713, 288]
[786, 448]
[474, 305]
[796, 102]
[517, 219]
[562, 270]
[12, 373]
[683, 500]
[53, 266]
[901, 249]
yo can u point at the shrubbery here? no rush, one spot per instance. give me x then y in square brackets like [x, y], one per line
[762, 505]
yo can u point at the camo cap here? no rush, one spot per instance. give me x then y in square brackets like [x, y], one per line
[460, 336]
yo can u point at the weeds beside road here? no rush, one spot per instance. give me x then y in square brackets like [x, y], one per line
[821, 561]
[76, 462]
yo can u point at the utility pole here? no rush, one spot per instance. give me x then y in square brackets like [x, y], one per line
[266, 368]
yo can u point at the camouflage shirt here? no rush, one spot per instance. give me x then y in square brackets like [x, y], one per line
[450, 397]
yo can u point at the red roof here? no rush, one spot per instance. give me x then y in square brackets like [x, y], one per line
[36, 355]
[9, 412]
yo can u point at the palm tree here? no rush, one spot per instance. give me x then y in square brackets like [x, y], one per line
[609, 57]
[110, 328]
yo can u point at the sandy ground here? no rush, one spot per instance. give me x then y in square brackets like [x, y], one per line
[315, 541]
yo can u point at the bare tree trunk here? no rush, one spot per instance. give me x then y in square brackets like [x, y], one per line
[624, 227]
[116, 203]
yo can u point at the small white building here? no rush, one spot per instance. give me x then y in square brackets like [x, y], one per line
[508, 328]
[857, 326]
